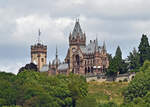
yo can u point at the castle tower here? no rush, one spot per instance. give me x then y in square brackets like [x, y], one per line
[77, 37]
[39, 53]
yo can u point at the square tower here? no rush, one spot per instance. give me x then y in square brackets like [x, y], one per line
[39, 55]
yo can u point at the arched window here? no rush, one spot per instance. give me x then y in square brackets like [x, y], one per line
[91, 69]
[78, 59]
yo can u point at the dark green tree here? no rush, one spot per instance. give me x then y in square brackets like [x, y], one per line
[112, 69]
[28, 67]
[134, 61]
[144, 49]
[116, 65]
[118, 54]
[7, 91]
[77, 93]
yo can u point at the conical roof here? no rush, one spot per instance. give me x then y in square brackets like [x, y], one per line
[56, 60]
[77, 29]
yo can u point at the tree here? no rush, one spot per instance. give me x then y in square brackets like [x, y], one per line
[35, 89]
[7, 91]
[144, 49]
[29, 67]
[112, 69]
[134, 60]
[118, 53]
[116, 65]
[140, 85]
[76, 92]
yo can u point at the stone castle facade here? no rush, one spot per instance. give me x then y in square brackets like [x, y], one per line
[80, 59]
[39, 55]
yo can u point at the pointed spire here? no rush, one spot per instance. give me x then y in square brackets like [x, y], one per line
[96, 41]
[77, 29]
[77, 19]
[56, 52]
[104, 46]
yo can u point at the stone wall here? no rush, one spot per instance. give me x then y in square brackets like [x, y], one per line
[101, 78]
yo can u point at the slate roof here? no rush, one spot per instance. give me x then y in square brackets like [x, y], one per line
[63, 66]
[90, 48]
[77, 30]
[45, 68]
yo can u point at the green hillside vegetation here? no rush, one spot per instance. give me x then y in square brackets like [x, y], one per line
[107, 91]
[104, 93]
[34, 89]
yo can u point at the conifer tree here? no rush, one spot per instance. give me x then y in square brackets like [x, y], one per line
[134, 59]
[118, 53]
[144, 49]
[117, 65]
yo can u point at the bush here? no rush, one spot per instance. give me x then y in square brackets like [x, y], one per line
[125, 80]
[109, 104]
[139, 86]
[120, 80]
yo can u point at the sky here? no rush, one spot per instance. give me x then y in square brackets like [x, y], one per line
[117, 22]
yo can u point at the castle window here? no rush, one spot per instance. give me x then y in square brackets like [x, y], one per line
[42, 59]
[78, 59]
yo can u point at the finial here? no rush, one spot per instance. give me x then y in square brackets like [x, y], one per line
[39, 34]
[77, 19]
[56, 52]
[96, 40]
[104, 45]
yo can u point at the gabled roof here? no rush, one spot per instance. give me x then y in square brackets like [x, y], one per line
[77, 30]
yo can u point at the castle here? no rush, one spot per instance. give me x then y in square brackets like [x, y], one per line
[80, 59]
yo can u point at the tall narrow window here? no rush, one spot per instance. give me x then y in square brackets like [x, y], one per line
[78, 59]
[42, 59]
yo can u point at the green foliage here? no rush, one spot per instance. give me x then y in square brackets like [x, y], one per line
[34, 89]
[118, 53]
[116, 64]
[109, 104]
[139, 86]
[125, 80]
[105, 92]
[7, 91]
[87, 102]
[144, 49]
[134, 59]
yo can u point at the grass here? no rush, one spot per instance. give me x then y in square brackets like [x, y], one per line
[104, 92]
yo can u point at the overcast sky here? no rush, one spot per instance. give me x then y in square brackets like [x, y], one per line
[117, 22]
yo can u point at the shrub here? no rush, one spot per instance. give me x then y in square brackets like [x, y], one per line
[120, 80]
[125, 80]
